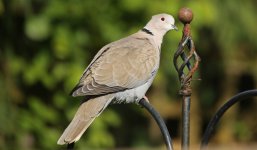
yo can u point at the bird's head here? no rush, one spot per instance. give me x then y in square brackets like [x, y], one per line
[161, 23]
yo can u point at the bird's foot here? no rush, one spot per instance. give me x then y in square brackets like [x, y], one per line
[146, 99]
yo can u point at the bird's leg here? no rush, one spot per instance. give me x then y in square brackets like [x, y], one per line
[146, 99]
[140, 103]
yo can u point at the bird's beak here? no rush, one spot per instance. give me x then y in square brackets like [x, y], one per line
[174, 27]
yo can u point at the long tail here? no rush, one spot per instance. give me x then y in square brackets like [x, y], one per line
[85, 115]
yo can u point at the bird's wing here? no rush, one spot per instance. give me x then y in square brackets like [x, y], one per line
[121, 65]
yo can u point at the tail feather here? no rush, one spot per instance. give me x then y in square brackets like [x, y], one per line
[85, 115]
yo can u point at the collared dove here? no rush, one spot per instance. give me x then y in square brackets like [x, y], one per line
[121, 71]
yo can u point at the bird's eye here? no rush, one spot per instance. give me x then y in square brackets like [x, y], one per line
[162, 18]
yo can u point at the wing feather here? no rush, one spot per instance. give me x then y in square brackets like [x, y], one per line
[121, 65]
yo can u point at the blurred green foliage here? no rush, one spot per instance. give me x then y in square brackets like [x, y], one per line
[45, 46]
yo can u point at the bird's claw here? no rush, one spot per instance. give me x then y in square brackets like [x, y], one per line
[146, 99]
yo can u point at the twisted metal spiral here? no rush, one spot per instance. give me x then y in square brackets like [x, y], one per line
[186, 43]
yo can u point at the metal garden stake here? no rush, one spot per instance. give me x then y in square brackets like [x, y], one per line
[186, 62]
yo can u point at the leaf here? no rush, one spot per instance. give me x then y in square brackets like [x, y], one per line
[45, 113]
[37, 27]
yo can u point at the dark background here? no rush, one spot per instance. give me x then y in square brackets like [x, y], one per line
[46, 44]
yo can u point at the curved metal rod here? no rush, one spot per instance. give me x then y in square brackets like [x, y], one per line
[159, 121]
[156, 117]
[209, 130]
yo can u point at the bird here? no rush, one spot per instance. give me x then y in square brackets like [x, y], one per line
[121, 72]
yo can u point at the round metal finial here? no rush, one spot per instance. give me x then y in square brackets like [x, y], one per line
[185, 15]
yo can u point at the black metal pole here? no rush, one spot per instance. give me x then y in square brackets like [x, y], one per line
[159, 121]
[185, 122]
[215, 119]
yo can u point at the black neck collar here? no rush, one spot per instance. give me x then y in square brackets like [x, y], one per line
[147, 31]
